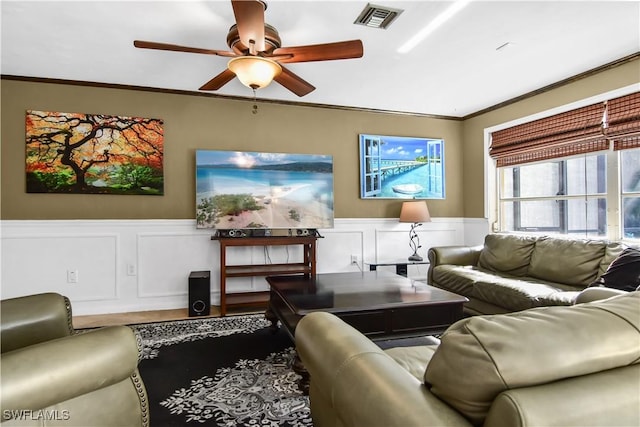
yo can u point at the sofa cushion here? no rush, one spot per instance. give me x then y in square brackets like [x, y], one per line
[481, 356]
[521, 293]
[559, 298]
[512, 292]
[507, 253]
[572, 262]
[457, 278]
[623, 273]
[413, 359]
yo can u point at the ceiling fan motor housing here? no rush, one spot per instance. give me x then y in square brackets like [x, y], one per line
[271, 40]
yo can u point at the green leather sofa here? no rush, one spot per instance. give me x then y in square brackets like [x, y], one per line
[550, 366]
[514, 272]
[53, 376]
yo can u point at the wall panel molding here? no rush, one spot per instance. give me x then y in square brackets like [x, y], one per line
[161, 253]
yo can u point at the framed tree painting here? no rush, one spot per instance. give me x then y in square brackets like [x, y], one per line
[398, 167]
[93, 153]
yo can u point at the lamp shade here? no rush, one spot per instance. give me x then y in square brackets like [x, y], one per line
[255, 72]
[415, 211]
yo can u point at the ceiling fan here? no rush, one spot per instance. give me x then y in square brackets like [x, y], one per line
[256, 53]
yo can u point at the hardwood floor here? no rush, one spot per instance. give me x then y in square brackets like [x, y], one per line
[99, 320]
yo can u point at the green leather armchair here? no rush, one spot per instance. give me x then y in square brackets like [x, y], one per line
[52, 375]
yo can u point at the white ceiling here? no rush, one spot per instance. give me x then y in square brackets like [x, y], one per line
[456, 71]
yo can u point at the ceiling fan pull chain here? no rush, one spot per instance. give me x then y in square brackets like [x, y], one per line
[255, 106]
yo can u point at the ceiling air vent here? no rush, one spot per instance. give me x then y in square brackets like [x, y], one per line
[377, 16]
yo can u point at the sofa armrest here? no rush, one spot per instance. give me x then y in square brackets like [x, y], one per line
[607, 398]
[456, 255]
[597, 293]
[362, 384]
[33, 319]
[43, 374]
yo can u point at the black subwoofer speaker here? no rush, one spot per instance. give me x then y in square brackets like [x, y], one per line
[199, 293]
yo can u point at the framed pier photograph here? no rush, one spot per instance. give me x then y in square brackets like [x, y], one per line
[399, 167]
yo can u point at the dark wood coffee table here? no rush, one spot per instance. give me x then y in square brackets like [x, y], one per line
[378, 304]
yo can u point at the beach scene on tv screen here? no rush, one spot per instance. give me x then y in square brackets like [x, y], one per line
[238, 190]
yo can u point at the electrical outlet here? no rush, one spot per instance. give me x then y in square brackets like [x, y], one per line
[72, 276]
[354, 259]
[131, 270]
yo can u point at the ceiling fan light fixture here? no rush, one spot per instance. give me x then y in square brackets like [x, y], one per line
[254, 72]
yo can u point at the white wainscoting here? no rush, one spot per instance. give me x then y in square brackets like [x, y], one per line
[140, 265]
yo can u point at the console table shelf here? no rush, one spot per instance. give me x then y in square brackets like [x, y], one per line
[247, 299]
[260, 298]
[256, 270]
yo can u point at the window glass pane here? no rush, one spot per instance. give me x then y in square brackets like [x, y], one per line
[525, 181]
[586, 175]
[540, 180]
[506, 183]
[534, 215]
[506, 216]
[630, 168]
[587, 219]
[556, 216]
[631, 217]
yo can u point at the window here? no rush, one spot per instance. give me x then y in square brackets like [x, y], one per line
[571, 196]
[574, 171]
[565, 196]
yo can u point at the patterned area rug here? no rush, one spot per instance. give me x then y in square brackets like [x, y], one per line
[230, 371]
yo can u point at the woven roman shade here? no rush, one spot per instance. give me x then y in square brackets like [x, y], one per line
[623, 117]
[573, 132]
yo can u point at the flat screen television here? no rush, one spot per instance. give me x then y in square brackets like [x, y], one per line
[255, 190]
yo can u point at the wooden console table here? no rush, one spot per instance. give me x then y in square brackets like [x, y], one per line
[257, 298]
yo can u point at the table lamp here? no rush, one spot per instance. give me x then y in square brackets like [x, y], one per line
[415, 212]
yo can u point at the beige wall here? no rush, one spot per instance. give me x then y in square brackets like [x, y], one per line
[473, 128]
[200, 122]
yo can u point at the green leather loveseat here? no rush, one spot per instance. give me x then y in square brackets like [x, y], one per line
[515, 272]
[548, 366]
[53, 376]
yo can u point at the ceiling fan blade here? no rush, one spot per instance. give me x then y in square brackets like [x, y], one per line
[218, 81]
[322, 52]
[250, 19]
[294, 83]
[175, 48]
